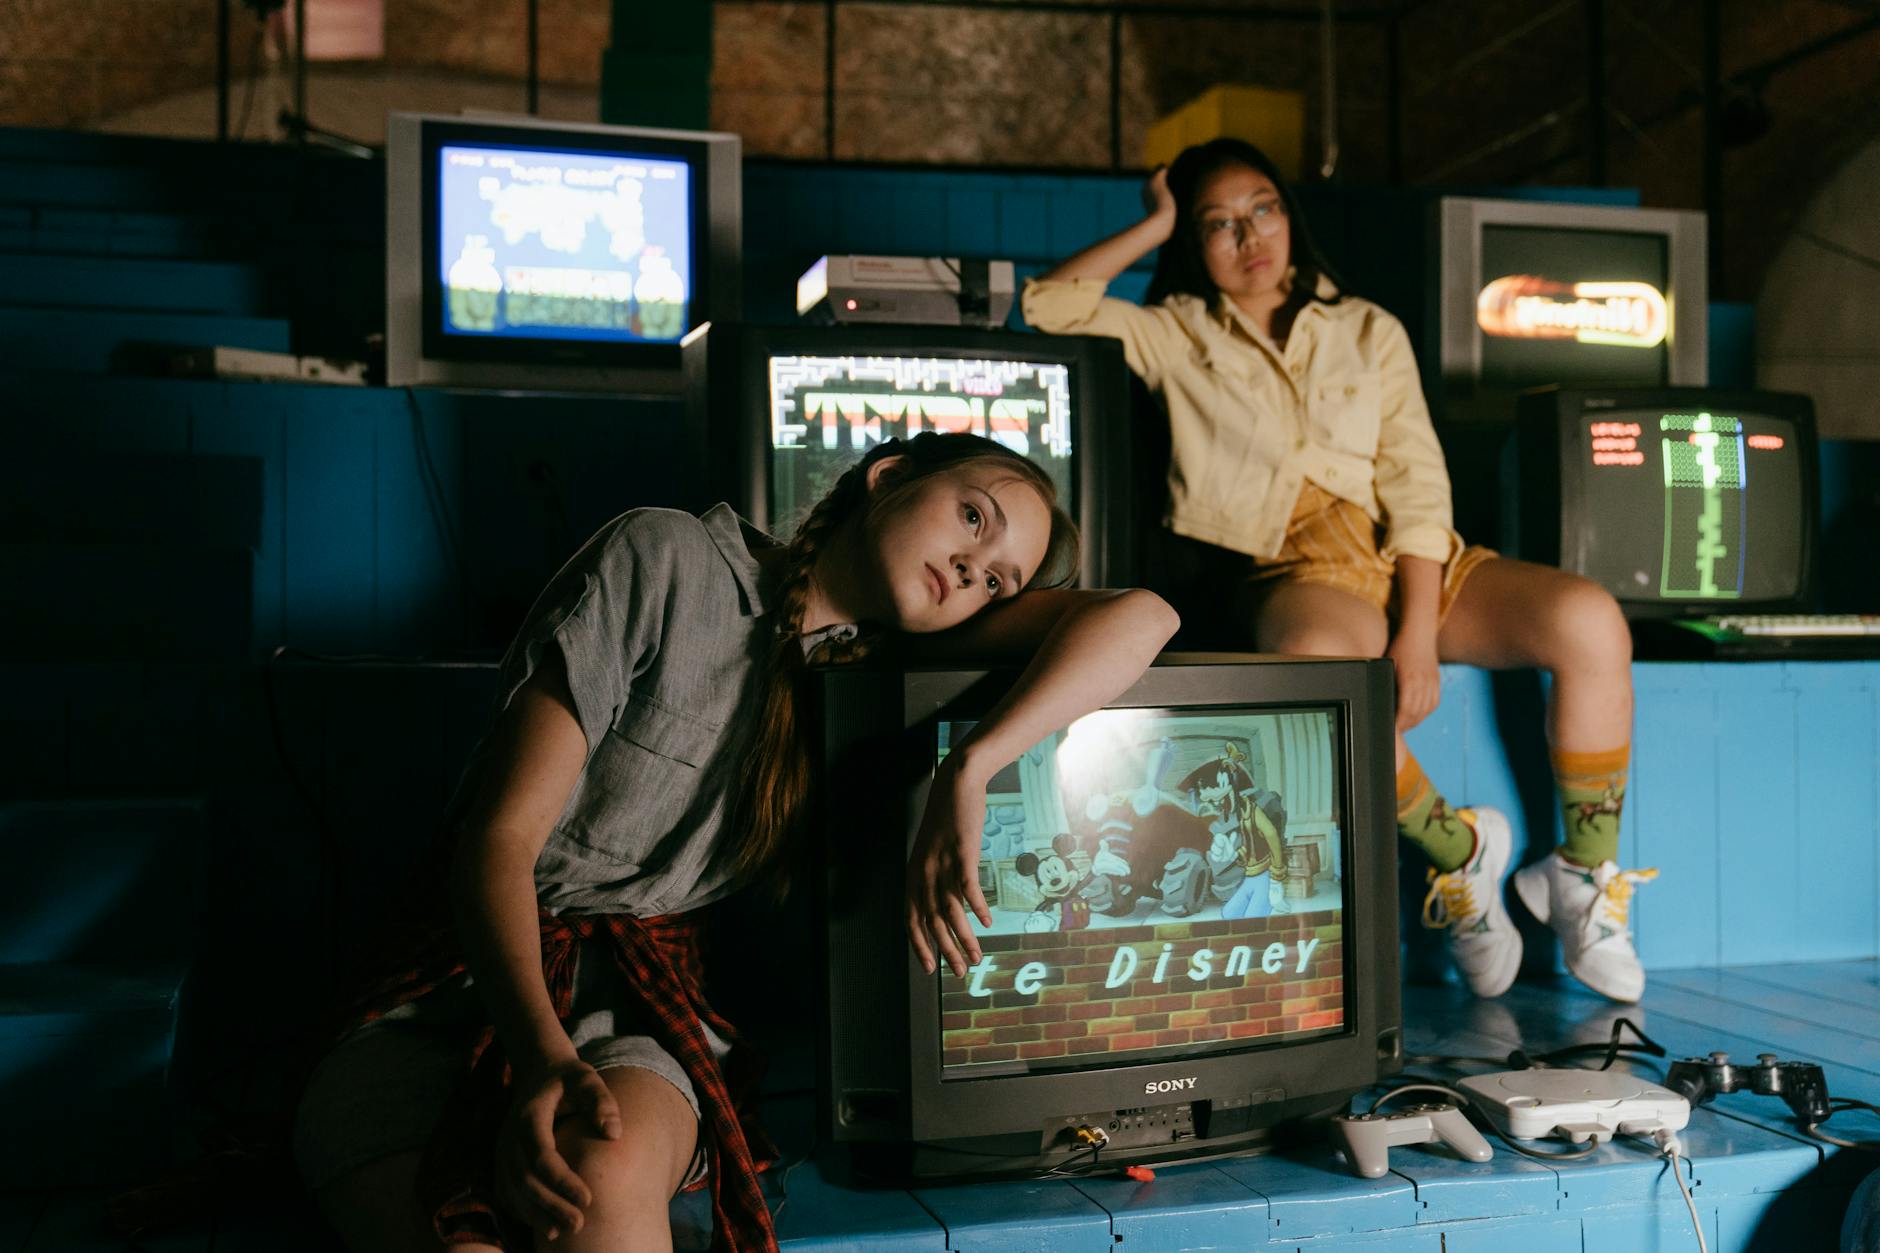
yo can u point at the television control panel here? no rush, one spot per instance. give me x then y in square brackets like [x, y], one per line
[1139, 1127]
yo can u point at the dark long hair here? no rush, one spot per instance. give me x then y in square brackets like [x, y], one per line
[775, 790]
[1180, 268]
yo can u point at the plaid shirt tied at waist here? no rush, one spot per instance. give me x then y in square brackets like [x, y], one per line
[659, 958]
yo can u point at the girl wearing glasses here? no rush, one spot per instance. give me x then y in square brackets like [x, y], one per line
[1300, 441]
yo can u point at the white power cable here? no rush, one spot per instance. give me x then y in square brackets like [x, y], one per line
[1668, 1144]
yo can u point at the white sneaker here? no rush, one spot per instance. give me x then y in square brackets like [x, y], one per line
[1467, 900]
[1588, 910]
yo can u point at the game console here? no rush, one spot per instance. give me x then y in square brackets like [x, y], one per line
[929, 291]
[1368, 1138]
[265, 367]
[1578, 1105]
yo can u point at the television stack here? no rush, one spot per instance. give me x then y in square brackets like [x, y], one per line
[1194, 939]
[1583, 328]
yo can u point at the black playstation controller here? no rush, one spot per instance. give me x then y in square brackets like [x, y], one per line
[1801, 1084]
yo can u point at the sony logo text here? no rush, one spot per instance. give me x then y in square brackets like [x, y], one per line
[1166, 1085]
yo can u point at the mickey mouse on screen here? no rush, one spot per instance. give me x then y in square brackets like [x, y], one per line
[1062, 908]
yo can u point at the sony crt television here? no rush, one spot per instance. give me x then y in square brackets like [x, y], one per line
[1194, 941]
[1679, 501]
[784, 410]
[554, 256]
[1531, 294]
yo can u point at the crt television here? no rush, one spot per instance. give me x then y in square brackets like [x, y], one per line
[785, 410]
[554, 255]
[1530, 294]
[1194, 944]
[1678, 501]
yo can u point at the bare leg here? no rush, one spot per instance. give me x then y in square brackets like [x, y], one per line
[1512, 614]
[375, 1209]
[633, 1178]
[1313, 620]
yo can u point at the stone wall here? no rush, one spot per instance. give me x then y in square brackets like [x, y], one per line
[1494, 91]
[70, 62]
[970, 86]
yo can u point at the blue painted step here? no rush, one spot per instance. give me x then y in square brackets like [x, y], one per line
[84, 1050]
[124, 601]
[98, 925]
[209, 502]
[39, 339]
[118, 283]
[105, 233]
[272, 184]
[96, 880]
[38, 143]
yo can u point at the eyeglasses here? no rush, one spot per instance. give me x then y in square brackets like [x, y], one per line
[1266, 218]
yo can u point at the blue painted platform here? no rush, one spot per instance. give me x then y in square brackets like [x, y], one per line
[1760, 1184]
[1758, 1181]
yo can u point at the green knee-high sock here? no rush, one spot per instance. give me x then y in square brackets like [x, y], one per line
[1592, 790]
[1427, 821]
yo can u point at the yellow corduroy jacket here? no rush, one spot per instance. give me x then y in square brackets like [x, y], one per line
[1341, 404]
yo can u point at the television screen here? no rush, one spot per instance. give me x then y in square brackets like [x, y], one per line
[784, 411]
[529, 254]
[1532, 294]
[1163, 883]
[1694, 506]
[564, 245]
[1671, 499]
[828, 410]
[1570, 306]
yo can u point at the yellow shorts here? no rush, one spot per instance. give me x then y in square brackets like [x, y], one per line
[1332, 542]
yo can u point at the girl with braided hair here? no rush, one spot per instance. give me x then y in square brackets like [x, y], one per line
[549, 1075]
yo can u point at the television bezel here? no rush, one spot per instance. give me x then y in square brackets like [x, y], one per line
[417, 350]
[877, 980]
[1550, 444]
[1456, 259]
[724, 362]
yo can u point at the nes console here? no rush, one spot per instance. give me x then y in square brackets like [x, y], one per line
[927, 291]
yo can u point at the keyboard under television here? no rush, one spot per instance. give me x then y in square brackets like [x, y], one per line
[1796, 625]
[1760, 637]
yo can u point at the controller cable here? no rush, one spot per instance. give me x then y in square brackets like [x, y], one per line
[1520, 1059]
[1835, 1106]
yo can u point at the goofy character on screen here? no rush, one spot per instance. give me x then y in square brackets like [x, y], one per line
[1247, 851]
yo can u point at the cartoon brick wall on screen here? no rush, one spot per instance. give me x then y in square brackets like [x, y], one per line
[1158, 881]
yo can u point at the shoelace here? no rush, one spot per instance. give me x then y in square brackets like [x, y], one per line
[1451, 900]
[1615, 894]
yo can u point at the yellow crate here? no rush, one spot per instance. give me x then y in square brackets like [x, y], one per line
[1270, 118]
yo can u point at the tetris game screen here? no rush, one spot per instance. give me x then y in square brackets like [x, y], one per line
[564, 245]
[1692, 506]
[1572, 306]
[825, 412]
[1161, 882]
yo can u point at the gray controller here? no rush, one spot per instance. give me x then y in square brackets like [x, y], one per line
[1367, 1138]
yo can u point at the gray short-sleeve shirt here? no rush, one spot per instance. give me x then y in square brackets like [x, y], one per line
[662, 623]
